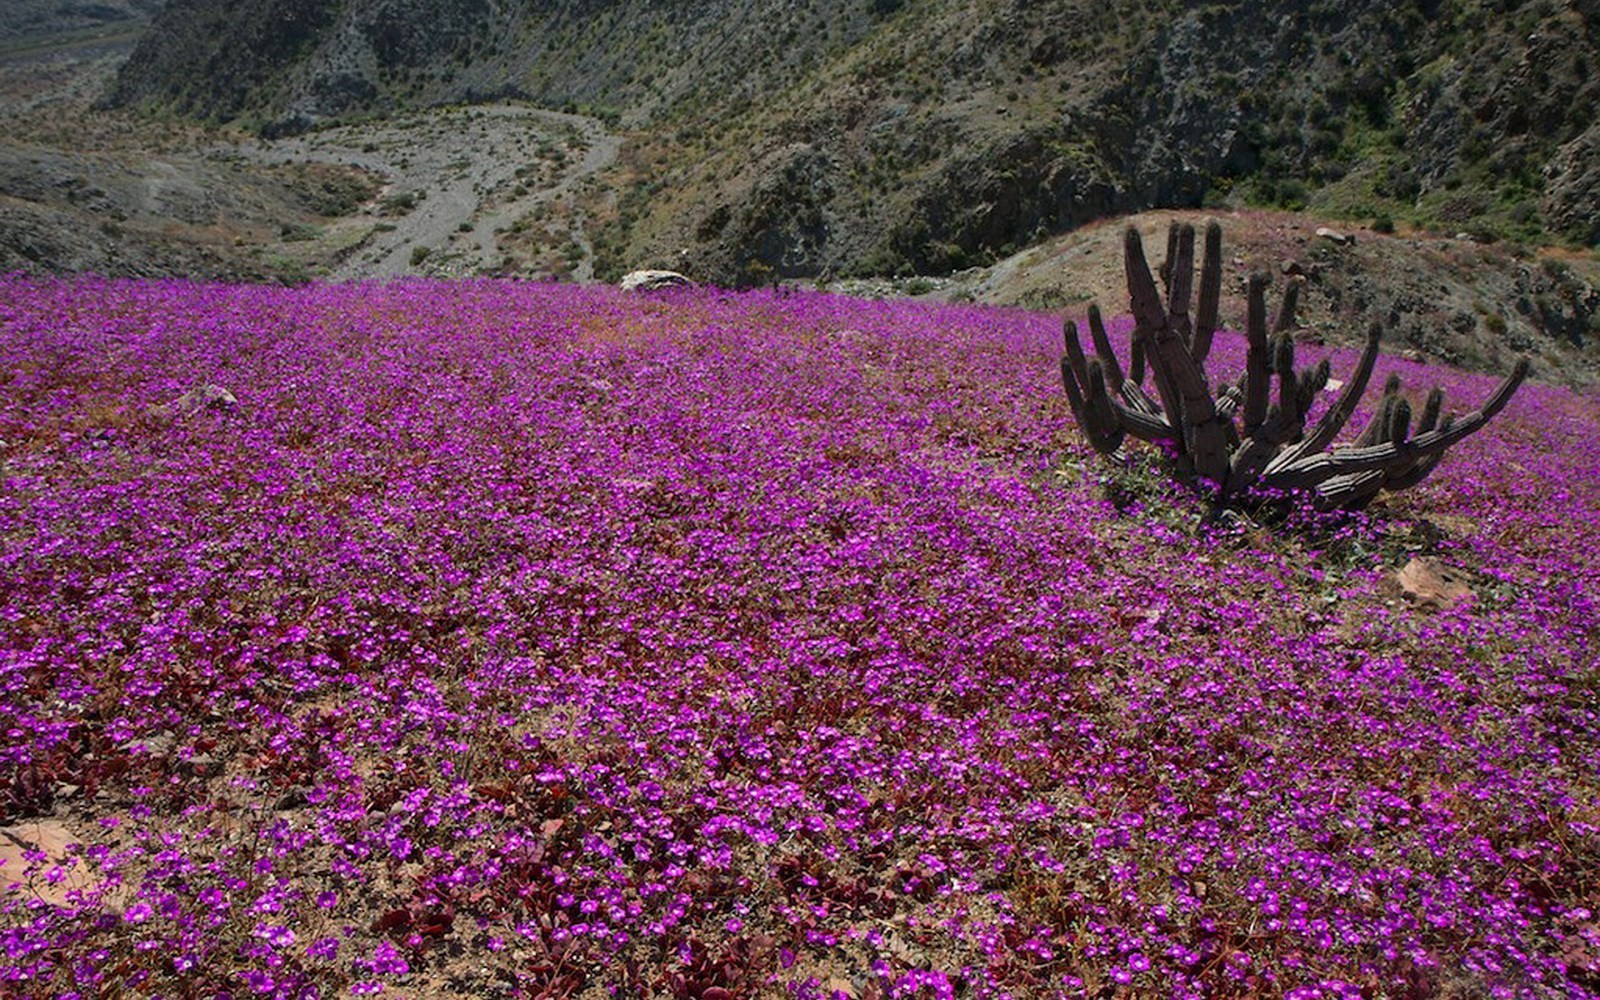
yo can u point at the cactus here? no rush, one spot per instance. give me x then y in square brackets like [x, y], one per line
[1240, 444]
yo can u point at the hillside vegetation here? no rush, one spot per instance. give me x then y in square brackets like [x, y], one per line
[873, 136]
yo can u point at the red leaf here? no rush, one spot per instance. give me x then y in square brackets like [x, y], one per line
[393, 920]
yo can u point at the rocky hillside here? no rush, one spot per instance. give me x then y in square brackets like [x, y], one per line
[773, 138]
[1436, 298]
[286, 64]
[84, 189]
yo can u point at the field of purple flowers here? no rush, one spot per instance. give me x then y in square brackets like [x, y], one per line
[519, 640]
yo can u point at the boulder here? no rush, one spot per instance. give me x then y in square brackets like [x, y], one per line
[651, 281]
[1334, 236]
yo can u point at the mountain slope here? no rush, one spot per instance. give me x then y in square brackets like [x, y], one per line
[784, 139]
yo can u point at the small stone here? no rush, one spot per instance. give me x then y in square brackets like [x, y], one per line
[209, 397]
[1432, 584]
[1334, 236]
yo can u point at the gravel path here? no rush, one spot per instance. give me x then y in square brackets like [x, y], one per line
[467, 175]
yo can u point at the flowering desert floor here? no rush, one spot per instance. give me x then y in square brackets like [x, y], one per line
[518, 640]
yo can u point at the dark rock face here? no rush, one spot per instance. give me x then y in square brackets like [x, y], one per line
[416, 33]
[1572, 189]
[784, 224]
[301, 60]
[219, 59]
[1046, 186]
[134, 215]
[1503, 98]
[36, 239]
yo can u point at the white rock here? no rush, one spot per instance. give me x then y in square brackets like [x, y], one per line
[650, 281]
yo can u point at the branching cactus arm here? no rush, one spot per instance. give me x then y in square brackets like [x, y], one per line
[1107, 421]
[1373, 432]
[1286, 309]
[1441, 438]
[1098, 420]
[1206, 312]
[1349, 492]
[1142, 425]
[1105, 435]
[1181, 286]
[1396, 453]
[1102, 347]
[1137, 399]
[1151, 322]
[1181, 381]
[1258, 362]
[1421, 468]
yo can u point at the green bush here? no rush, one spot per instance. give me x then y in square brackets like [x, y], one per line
[399, 203]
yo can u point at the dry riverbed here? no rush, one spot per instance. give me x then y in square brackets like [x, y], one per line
[493, 189]
[457, 183]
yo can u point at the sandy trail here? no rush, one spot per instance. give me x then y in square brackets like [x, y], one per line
[468, 174]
